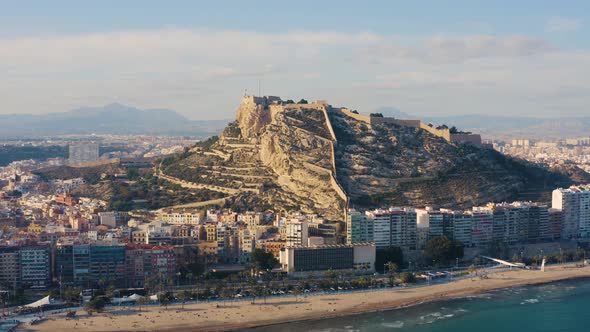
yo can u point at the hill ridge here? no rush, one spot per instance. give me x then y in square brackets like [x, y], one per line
[316, 158]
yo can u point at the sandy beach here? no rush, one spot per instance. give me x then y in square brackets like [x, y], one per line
[242, 314]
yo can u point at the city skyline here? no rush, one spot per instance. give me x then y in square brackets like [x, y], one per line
[199, 58]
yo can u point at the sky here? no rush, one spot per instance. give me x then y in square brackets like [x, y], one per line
[426, 58]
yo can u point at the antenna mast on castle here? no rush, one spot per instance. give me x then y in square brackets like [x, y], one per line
[259, 95]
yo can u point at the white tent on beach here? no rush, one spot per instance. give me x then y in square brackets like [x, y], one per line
[39, 303]
[130, 298]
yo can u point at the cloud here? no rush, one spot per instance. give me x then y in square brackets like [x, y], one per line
[165, 46]
[440, 78]
[563, 24]
[202, 73]
[442, 49]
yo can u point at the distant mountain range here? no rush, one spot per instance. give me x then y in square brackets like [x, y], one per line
[505, 127]
[110, 119]
[121, 119]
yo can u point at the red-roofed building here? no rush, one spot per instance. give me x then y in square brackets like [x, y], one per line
[65, 199]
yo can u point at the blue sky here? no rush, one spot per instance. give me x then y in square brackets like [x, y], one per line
[197, 57]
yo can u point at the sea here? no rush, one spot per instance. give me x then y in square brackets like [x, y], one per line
[561, 306]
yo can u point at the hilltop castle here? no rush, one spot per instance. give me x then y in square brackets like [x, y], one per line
[275, 104]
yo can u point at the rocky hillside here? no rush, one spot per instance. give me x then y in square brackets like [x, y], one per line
[398, 165]
[319, 159]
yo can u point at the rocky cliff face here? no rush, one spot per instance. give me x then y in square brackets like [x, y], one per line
[252, 116]
[315, 158]
[282, 154]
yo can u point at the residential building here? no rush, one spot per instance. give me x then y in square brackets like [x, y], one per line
[35, 266]
[297, 231]
[482, 230]
[10, 272]
[574, 203]
[274, 247]
[462, 228]
[180, 218]
[358, 228]
[553, 230]
[144, 261]
[86, 265]
[251, 218]
[209, 252]
[394, 227]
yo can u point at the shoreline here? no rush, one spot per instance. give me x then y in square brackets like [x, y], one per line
[233, 316]
[403, 306]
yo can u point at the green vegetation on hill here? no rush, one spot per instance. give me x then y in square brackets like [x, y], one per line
[143, 192]
[152, 193]
[90, 174]
[10, 153]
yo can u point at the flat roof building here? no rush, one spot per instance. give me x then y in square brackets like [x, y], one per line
[298, 259]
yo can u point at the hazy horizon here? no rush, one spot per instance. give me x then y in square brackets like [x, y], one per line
[430, 59]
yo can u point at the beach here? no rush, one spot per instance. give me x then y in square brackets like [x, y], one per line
[235, 315]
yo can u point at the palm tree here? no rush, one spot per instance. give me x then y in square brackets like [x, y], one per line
[391, 272]
[142, 301]
[225, 293]
[472, 270]
[183, 296]
[297, 290]
[332, 276]
[110, 291]
[164, 299]
[258, 291]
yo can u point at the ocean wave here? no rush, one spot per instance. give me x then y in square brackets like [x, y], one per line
[395, 325]
[530, 301]
[330, 329]
[434, 314]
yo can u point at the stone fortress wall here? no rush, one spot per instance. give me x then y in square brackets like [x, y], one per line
[474, 139]
[276, 104]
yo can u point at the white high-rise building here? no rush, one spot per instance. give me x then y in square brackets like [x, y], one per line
[393, 227]
[381, 220]
[297, 231]
[462, 232]
[358, 228]
[574, 203]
